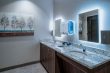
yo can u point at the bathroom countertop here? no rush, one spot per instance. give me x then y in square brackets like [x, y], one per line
[89, 59]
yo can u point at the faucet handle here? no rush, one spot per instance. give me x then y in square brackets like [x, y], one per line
[84, 50]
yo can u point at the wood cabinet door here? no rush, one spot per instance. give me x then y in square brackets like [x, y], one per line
[51, 61]
[69, 68]
[47, 57]
[66, 66]
[44, 56]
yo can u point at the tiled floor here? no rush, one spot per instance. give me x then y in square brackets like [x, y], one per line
[35, 68]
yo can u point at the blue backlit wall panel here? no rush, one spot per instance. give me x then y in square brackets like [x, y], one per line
[71, 27]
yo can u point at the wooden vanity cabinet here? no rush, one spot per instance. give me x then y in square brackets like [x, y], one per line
[69, 66]
[55, 62]
[47, 58]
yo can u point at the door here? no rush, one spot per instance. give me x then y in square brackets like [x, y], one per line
[92, 28]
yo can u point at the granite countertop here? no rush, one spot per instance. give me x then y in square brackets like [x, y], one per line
[89, 59]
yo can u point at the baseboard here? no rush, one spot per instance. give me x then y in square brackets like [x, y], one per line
[18, 66]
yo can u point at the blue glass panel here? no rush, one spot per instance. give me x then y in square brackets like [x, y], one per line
[70, 27]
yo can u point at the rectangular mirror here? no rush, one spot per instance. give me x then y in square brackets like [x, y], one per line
[89, 26]
[57, 25]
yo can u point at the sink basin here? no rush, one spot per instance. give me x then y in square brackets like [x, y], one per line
[93, 58]
[78, 54]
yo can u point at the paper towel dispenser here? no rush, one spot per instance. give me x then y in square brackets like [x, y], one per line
[57, 25]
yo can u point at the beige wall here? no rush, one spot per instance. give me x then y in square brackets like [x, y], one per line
[23, 49]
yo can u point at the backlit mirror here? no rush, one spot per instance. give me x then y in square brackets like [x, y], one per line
[57, 31]
[89, 26]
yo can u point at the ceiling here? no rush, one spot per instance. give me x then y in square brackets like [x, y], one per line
[66, 1]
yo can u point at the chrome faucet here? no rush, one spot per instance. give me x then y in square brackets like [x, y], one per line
[84, 49]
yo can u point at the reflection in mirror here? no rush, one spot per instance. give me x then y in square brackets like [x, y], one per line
[88, 26]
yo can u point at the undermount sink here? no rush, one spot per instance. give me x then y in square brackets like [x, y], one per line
[79, 54]
[86, 56]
